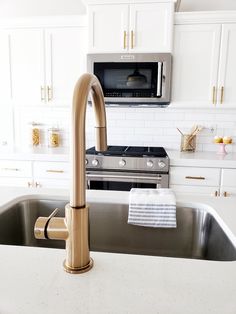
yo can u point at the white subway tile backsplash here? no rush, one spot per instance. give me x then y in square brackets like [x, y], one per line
[134, 126]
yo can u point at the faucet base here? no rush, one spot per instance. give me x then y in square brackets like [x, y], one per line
[78, 270]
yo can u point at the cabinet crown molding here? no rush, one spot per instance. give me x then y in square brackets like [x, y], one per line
[206, 17]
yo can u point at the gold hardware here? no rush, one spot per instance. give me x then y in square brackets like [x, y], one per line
[132, 39]
[222, 94]
[37, 185]
[216, 193]
[55, 171]
[42, 93]
[10, 169]
[195, 178]
[225, 194]
[74, 227]
[214, 95]
[125, 39]
[49, 93]
[30, 184]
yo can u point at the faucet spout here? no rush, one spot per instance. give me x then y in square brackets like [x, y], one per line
[85, 84]
[74, 228]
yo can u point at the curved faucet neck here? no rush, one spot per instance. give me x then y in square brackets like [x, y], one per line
[86, 84]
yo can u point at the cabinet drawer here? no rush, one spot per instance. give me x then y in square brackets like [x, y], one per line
[194, 176]
[203, 190]
[228, 178]
[51, 170]
[15, 168]
[22, 182]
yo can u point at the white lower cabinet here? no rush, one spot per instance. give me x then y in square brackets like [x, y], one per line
[15, 173]
[228, 182]
[49, 174]
[195, 180]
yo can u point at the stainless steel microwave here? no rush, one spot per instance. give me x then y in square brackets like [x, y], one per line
[139, 79]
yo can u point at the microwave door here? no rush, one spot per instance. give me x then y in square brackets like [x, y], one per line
[159, 79]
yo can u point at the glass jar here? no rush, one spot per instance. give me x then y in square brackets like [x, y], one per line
[35, 134]
[53, 137]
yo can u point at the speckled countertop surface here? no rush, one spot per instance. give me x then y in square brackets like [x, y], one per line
[32, 279]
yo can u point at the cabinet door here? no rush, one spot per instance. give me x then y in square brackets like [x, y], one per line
[5, 82]
[151, 27]
[195, 65]
[27, 66]
[65, 62]
[108, 28]
[227, 73]
[228, 182]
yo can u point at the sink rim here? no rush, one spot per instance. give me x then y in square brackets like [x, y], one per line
[195, 205]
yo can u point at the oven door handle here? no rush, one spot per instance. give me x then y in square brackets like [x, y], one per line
[111, 176]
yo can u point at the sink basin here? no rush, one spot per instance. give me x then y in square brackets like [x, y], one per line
[198, 234]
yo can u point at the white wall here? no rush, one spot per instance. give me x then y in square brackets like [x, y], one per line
[21, 8]
[205, 5]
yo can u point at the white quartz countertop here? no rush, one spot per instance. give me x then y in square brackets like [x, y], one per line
[202, 159]
[32, 279]
[177, 158]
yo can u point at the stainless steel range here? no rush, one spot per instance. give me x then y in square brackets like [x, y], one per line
[124, 167]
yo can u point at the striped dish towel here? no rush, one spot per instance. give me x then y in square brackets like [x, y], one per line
[152, 208]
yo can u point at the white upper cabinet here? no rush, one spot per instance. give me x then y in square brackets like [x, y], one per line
[204, 65]
[195, 64]
[151, 27]
[27, 65]
[131, 27]
[65, 62]
[5, 81]
[108, 28]
[44, 64]
[227, 67]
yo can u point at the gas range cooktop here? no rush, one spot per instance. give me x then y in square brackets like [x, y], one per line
[130, 151]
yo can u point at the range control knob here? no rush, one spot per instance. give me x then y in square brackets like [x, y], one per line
[122, 163]
[95, 162]
[149, 163]
[86, 161]
[161, 164]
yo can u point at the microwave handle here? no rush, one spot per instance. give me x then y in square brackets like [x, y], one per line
[159, 78]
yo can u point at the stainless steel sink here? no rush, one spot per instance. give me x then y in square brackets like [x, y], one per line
[198, 234]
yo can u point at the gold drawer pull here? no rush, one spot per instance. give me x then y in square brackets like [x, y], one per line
[195, 178]
[55, 171]
[10, 169]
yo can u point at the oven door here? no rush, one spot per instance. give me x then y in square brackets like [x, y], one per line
[121, 181]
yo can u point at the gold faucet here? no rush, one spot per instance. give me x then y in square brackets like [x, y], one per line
[73, 228]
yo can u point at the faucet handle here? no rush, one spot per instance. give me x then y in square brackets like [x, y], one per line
[41, 225]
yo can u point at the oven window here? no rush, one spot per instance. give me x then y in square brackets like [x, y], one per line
[127, 79]
[118, 186]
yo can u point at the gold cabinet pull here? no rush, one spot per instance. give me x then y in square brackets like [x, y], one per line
[222, 94]
[216, 193]
[42, 93]
[49, 93]
[10, 169]
[132, 39]
[125, 40]
[30, 184]
[37, 185]
[214, 98]
[195, 178]
[225, 194]
[55, 171]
